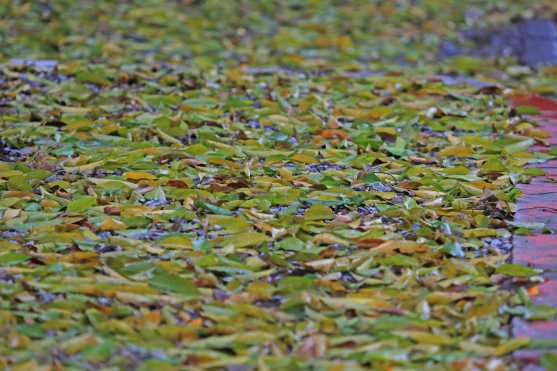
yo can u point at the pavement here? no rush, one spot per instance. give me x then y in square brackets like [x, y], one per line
[538, 204]
[533, 42]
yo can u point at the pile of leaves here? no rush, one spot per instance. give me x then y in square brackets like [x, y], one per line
[194, 193]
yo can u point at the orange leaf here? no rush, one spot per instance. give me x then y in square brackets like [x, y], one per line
[334, 133]
[369, 242]
[153, 317]
[534, 291]
[82, 257]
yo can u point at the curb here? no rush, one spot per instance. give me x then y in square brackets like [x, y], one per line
[538, 205]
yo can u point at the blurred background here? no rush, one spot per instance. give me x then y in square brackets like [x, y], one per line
[307, 34]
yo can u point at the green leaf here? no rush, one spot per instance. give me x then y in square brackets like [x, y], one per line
[540, 312]
[516, 270]
[20, 183]
[98, 353]
[213, 208]
[511, 345]
[292, 244]
[370, 178]
[521, 146]
[527, 110]
[157, 364]
[398, 148]
[81, 204]
[12, 258]
[95, 75]
[245, 239]
[549, 361]
[453, 249]
[294, 284]
[319, 212]
[163, 280]
[34, 330]
[465, 64]
[386, 355]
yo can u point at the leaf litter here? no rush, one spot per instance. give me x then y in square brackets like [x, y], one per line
[245, 185]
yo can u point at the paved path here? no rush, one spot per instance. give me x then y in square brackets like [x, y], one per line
[539, 204]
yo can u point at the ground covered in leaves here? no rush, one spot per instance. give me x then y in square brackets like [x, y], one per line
[270, 185]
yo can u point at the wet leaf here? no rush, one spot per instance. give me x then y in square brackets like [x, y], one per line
[516, 270]
[548, 361]
[318, 212]
[163, 280]
[12, 258]
[245, 239]
[81, 204]
[511, 345]
[274, 185]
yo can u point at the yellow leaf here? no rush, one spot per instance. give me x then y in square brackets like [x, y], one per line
[330, 239]
[29, 365]
[363, 304]
[151, 151]
[79, 343]
[110, 182]
[456, 151]
[112, 225]
[285, 174]
[244, 239]
[425, 338]
[537, 133]
[402, 246]
[111, 49]
[305, 159]
[176, 242]
[439, 297]
[139, 175]
[64, 237]
[48, 204]
[82, 257]
[511, 345]
[232, 224]
[428, 195]
[344, 42]
[480, 232]
[135, 210]
[485, 309]
[370, 115]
